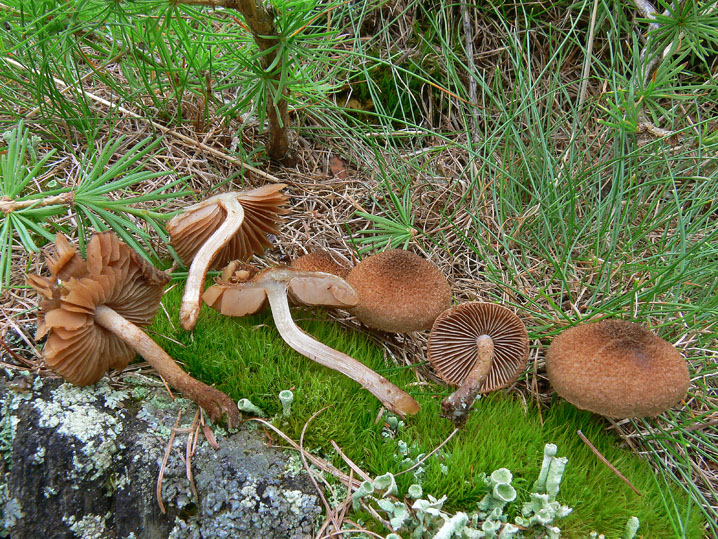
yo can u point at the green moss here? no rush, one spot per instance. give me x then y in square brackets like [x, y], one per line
[247, 358]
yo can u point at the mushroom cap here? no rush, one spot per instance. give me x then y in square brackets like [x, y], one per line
[113, 275]
[324, 261]
[244, 292]
[193, 227]
[617, 368]
[452, 346]
[399, 291]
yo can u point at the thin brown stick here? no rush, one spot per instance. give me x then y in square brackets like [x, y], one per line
[330, 512]
[9, 205]
[164, 464]
[164, 130]
[15, 356]
[317, 461]
[341, 510]
[189, 452]
[361, 473]
[589, 53]
[421, 461]
[605, 461]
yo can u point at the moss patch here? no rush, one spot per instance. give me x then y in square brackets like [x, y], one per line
[247, 358]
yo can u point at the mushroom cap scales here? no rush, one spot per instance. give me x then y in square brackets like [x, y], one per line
[191, 229]
[399, 291]
[324, 261]
[112, 275]
[617, 368]
[452, 345]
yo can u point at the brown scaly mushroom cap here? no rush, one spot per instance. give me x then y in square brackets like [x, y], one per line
[324, 261]
[92, 312]
[399, 291]
[617, 368]
[479, 346]
[245, 293]
[222, 228]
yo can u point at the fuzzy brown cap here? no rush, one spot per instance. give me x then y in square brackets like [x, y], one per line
[399, 291]
[324, 261]
[451, 349]
[617, 369]
[192, 228]
[113, 275]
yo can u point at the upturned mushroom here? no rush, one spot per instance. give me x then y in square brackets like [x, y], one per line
[617, 368]
[222, 228]
[480, 347]
[92, 312]
[399, 291]
[246, 294]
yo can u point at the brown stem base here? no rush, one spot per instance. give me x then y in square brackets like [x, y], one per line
[456, 407]
[212, 400]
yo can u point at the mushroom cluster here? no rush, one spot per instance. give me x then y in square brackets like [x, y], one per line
[92, 311]
[225, 227]
[242, 291]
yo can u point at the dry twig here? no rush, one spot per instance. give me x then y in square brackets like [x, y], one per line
[605, 461]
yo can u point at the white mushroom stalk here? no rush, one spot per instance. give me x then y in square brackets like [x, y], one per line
[457, 405]
[311, 288]
[213, 401]
[191, 301]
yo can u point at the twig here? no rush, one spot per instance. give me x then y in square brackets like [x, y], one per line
[165, 130]
[317, 461]
[421, 461]
[341, 509]
[189, 452]
[605, 461]
[330, 512]
[9, 205]
[361, 473]
[164, 464]
[473, 94]
[356, 530]
[648, 10]
[589, 54]
[15, 356]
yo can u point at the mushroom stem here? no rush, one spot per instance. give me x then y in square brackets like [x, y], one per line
[393, 398]
[213, 401]
[457, 405]
[191, 302]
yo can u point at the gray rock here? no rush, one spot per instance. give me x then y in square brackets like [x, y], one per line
[84, 462]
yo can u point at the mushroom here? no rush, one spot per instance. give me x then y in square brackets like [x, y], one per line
[617, 368]
[224, 227]
[245, 294]
[324, 261]
[478, 346]
[92, 311]
[399, 291]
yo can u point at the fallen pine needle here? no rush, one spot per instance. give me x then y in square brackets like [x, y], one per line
[421, 461]
[605, 461]
[164, 464]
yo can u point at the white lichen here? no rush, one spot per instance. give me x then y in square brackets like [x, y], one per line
[89, 527]
[69, 412]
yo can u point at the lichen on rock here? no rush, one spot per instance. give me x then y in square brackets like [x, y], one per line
[83, 462]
